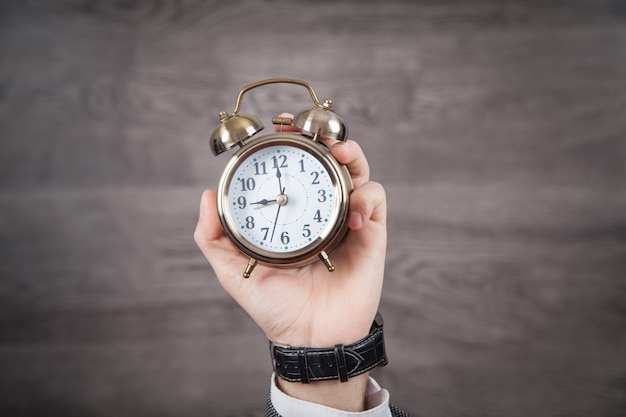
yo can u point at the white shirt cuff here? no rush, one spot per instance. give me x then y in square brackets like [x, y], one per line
[376, 399]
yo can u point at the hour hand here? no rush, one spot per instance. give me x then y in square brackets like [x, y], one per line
[264, 202]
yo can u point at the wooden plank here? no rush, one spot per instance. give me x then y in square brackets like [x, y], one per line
[494, 289]
[469, 101]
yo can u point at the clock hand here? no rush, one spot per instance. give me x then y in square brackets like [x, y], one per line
[282, 202]
[264, 202]
[275, 223]
[280, 184]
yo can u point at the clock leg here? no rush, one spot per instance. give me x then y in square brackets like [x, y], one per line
[249, 268]
[324, 257]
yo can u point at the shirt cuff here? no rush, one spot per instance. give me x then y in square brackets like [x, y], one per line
[376, 399]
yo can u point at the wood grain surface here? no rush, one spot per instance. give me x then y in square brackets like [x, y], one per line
[498, 129]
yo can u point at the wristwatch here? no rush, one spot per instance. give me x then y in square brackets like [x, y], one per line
[306, 364]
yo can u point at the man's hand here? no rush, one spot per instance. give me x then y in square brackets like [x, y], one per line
[309, 306]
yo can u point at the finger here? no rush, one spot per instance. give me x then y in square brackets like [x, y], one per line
[368, 203]
[208, 227]
[365, 245]
[348, 153]
[351, 155]
[209, 237]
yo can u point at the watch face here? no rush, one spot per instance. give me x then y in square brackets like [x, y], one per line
[281, 200]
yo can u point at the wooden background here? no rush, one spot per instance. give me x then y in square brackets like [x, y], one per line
[497, 127]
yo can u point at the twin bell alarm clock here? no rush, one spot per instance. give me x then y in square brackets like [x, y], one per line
[283, 198]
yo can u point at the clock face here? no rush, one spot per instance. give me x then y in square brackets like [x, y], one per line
[281, 199]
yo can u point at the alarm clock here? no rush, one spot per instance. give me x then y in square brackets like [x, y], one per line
[283, 198]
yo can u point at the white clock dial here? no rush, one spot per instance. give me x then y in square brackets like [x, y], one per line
[281, 199]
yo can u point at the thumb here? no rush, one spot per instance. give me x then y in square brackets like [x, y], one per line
[208, 227]
[212, 241]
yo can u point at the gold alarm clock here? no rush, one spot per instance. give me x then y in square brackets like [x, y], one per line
[283, 198]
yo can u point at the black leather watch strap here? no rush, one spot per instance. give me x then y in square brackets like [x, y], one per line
[304, 364]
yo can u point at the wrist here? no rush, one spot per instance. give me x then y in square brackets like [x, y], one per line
[341, 362]
[348, 396]
[324, 337]
[325, 331]
[335, 376]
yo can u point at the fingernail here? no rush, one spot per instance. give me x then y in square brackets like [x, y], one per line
[356, 220]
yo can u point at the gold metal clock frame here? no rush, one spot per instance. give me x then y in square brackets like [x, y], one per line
[315, 123]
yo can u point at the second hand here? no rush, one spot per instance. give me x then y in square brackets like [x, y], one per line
[280, 204]
[282, 192]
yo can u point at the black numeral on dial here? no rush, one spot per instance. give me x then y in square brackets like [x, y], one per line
[247, 184]
[260, 169]
[282, 163]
